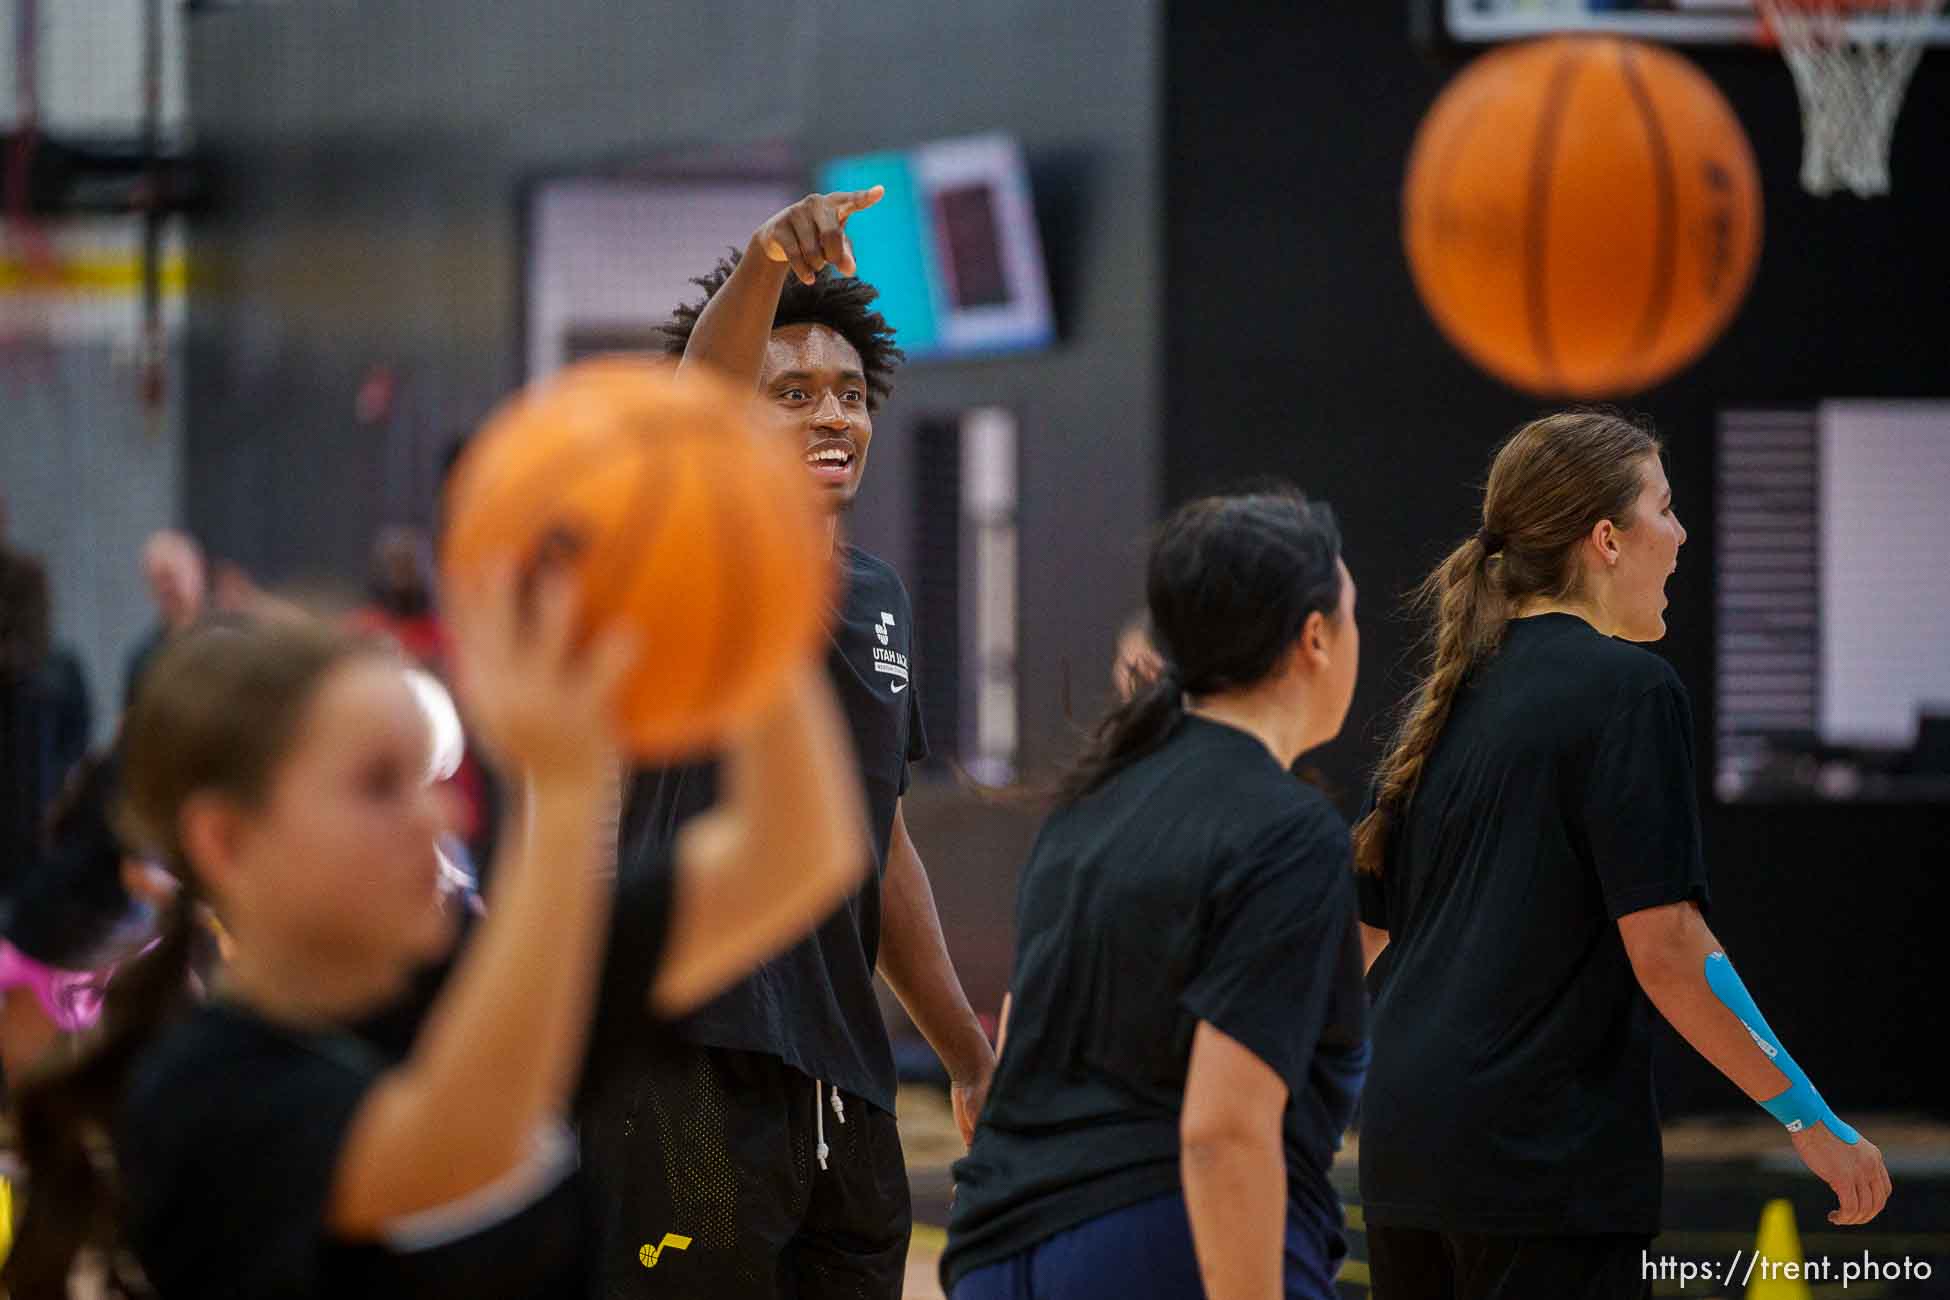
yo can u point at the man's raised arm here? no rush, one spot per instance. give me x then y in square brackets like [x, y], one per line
[735, 325]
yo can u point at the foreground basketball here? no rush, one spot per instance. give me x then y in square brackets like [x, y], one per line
[1582, 214]
[679, 519]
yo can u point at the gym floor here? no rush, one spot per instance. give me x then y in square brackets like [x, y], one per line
[1719, 1175]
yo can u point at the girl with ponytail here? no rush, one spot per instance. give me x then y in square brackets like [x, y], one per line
[1531, 877]
[246, 1134]
[1182, 1040]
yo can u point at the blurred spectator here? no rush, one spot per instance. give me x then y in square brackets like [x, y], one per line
[173, 564]
[399, 586]
[45, 718]
[1136, 660]
[232, 590]
[400, 605]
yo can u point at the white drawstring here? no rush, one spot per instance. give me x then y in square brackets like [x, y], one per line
[819, 1122]
[819, 1118]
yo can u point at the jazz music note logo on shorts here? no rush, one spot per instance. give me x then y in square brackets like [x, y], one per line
[649, 1255]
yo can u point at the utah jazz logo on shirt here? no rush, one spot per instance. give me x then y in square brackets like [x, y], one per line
[891, 662]
[672, 1241]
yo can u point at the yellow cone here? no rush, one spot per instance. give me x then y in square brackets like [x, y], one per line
[1778, 1244]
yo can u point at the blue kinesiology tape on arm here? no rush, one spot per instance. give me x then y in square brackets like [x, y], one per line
[1800, 1105]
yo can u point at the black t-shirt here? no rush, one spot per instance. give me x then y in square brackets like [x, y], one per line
[813, 1006]
[1202, 883]
[230, 1138]
[1511, 1089]
[44, 725]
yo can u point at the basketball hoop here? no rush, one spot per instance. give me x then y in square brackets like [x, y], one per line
[1852, 61]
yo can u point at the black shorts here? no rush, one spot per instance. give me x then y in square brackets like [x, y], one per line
[704, 1170]
[1422, 1264]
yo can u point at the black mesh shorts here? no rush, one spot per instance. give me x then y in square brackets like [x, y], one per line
[703, 1165]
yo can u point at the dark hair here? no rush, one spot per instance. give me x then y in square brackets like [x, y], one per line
[219, 711]
[1550, 485]
[24, 615]
[1230, 585]
[841, 303]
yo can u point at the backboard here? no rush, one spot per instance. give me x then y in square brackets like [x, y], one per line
[1672, 22]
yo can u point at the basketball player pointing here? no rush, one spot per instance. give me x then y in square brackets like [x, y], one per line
[767, 1142]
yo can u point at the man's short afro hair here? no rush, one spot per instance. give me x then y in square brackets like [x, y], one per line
[841, 303]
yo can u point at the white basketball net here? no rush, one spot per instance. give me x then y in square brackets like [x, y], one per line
[1852, 60]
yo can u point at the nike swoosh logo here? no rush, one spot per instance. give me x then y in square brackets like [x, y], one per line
[899, 687]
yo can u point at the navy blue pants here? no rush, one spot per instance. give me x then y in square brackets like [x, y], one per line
[1144, 1252]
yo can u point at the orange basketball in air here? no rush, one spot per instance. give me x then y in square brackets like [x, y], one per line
[1582, 214]
[679, 518]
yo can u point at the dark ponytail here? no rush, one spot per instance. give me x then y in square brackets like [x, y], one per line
[1230, 585]
[64, 1116]
[1127, 733]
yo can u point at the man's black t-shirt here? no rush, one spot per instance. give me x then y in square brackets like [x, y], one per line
[1512, 1082]
[813, 1006]
[1202, 883]
[231, 1134]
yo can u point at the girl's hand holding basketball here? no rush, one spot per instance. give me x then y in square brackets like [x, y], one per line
[540, 702]
[811, 234]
